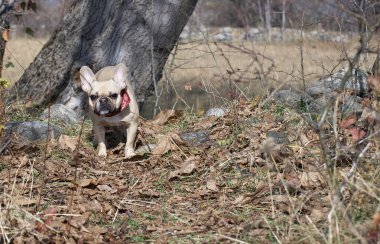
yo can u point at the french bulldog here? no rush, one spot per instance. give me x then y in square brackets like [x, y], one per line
[112, 102]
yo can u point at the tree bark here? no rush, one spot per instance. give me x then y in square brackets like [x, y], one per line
[283, 20]
[268, 23]
[98, 33]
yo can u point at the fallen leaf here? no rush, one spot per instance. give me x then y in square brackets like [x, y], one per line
[97, 230]
[356, 134]
[311, 179]
[205, 123]
[317, 215]
[239, 199]
[167, 143]
[189, 165]
[174, 174]
[67, 142]
[95, 206]
[211, 185]
[85, 182]
[374, 83]
[105, 188]
[6, 35]
[149, 128]
[348, 121]
[373, 234]
[46, 217]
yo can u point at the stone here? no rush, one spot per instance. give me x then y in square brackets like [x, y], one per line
[278, 137]
[145, 149]
[195, 138]
[218, 112]
[61, 113]
[224, 35]
[352, 104]
[19, 134]
[319, 93]
[287, 96]
[357, 82]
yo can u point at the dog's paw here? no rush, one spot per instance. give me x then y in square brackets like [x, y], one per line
[102, 153]
[129, 152]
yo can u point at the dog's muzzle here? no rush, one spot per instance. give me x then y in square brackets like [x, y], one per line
[104, 106]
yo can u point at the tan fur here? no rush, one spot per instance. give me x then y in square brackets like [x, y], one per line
[110, 80]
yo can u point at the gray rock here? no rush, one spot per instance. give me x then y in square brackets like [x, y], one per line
[287, 96]
[224, 35]
[195, 138]
[278, 137]
[61, 113]
[218, 112]
[319, 93]
[357, 82]
[253, 34]
[352, 104]
[31, 131]
[145, 149]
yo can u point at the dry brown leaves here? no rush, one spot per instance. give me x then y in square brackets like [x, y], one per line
[68, 142]
[239, 184]
[166, 143]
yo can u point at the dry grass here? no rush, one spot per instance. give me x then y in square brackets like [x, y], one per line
[195, 62]
[20, 52]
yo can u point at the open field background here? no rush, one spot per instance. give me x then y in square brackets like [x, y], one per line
[199, 60]
[219, 71]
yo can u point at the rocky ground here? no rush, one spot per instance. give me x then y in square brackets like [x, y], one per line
[263, 170]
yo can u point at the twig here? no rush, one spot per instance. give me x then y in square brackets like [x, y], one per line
[232, 239]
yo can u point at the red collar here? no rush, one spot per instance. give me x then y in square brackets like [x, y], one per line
[125, 100]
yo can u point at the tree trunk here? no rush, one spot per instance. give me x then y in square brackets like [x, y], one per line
[98, 33]
[283, 20]
[268, 24]
[261, 14]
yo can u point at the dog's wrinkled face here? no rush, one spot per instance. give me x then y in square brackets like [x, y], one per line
[104, 89]
[105, 97]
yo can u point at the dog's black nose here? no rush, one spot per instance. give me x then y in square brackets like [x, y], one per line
[103, 100]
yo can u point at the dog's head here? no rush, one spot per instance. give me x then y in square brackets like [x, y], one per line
[105, 89]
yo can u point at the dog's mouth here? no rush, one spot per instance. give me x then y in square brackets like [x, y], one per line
[105, 111]
[104, 107]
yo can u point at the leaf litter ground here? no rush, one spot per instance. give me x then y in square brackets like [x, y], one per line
[238, 185]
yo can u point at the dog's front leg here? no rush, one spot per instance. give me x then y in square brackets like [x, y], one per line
[131, 135]
[99, 132]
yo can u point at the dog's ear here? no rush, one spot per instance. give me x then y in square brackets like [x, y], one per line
[86, 78]
[120, 75]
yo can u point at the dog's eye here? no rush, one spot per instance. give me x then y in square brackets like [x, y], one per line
[93, 97]
[114, 95]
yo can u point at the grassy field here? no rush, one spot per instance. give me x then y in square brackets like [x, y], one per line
[197, 62]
